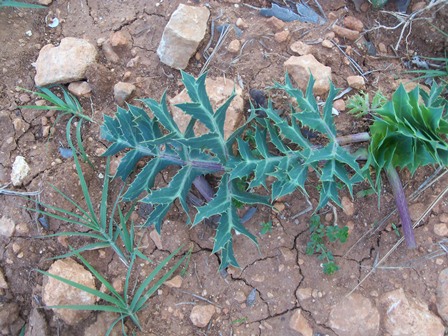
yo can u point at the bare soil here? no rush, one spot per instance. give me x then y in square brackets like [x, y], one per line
[278, 267]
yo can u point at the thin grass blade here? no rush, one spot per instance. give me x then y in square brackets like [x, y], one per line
[95, 292]
[85, 189]
[88, 247]
[138, 301]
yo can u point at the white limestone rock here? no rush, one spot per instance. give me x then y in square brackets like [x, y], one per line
[201, 315]
[405, 315]
[300, 68]
[344, 321]
[20, 170]
[56, 293]
[66, 63]
[182, 35]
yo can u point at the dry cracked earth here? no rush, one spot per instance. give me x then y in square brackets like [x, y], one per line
[279, 289]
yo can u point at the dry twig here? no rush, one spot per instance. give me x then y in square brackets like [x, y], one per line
[406, 20]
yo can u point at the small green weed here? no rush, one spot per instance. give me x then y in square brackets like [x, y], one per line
[266, 227]
[319, 233]
[359, 105]
[365, 193]
[397, 232]
[239, 321]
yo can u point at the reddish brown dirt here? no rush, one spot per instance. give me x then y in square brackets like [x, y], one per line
[278, 267]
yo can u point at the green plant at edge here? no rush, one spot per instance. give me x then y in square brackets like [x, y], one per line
[160, 139]
[102, 227]
[126, 305]
[18, 4]
[440, 73]
[408, 134]
[320, 232]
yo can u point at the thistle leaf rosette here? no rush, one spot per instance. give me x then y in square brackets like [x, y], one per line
[160, 139]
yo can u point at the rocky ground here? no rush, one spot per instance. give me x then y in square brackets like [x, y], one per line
[108, 53]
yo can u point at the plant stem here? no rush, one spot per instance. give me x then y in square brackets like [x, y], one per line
[402, 206]
[204, 188]
[352, 138]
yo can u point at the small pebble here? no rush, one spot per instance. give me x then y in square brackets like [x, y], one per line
[349, 34]
[281, 36]
[16, 247]
[279, 206]
[46, 131]
[327, 44]
[382, 48]
[250, 301]
[234, 46]
[275, 23]
[24, 98]
[353, 23]
[175, 282]
[339, 105]
[356, 82]
[240, 23]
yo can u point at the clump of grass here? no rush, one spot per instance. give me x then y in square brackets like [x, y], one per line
[103, 227]
[109, 228]
[127, 304]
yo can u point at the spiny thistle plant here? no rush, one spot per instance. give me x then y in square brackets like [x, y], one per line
[160, 139]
